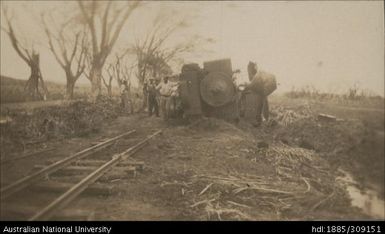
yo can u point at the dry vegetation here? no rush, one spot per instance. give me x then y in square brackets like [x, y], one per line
[209, 169]
[214, 170]
[38, 125]
[354, 96]
[206, 169]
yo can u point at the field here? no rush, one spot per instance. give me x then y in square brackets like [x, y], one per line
[297, 166]
[12, 90]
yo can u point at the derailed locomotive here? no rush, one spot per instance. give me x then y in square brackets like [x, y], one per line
[209, 91]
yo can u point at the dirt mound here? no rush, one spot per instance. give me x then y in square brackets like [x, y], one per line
[301, 184]
[285, 171]
[349, 144]
[221, 172]
[205, 124]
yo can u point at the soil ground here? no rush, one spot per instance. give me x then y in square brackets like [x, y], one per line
[208, 169]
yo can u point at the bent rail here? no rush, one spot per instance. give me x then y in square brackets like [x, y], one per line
[74, 191]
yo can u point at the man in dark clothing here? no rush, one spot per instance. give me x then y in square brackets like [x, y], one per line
[152, 102]
[125, 97]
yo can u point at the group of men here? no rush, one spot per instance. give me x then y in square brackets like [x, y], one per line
[161, 95]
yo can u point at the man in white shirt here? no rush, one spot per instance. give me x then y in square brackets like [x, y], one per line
[165, 89]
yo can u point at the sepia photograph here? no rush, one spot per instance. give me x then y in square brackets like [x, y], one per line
[191, 111]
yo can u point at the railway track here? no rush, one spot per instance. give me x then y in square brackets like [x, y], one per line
[70, 177]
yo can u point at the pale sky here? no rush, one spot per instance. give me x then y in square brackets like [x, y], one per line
[330, 45]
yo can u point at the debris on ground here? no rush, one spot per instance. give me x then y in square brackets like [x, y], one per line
[54, 122]
[234, 176]
[209, 169]
[263, 144]
[286, 116]
[325, 117]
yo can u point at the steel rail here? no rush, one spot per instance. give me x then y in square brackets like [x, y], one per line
[8, 160]
[47, 212]
[28, 180]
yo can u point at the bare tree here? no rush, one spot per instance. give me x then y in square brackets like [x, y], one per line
[122, 68]
[111, 18]
[119, 69]
[31, 57]
[146, 52]
[69, 49]
[153, 54]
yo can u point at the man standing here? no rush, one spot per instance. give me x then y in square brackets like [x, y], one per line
[145, 96]
[262, 84]
[165, 90]
[152, 102]
[125, 97]
[174, 105]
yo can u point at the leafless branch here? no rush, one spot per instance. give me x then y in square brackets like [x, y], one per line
[26, 56]
[63, 50]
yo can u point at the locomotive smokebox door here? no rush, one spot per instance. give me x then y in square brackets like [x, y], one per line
[189, 89]
[218, 91]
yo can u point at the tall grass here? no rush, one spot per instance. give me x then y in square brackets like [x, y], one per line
[353, 96]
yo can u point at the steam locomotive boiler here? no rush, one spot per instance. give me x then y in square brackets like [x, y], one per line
[210, 91]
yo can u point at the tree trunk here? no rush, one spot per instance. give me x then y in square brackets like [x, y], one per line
[70, 88]
[96, 81]
[32, 85]
[109, 90]
[110, 87]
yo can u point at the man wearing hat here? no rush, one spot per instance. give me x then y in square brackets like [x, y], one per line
[152, 102]
[165, 90]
